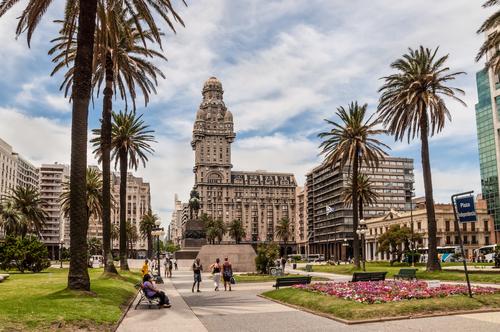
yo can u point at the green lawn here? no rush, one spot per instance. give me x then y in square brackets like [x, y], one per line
[40, 301]
[254, 277]
[421, 273]
[350, 310]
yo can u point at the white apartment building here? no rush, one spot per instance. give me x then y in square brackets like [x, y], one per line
[52, 178]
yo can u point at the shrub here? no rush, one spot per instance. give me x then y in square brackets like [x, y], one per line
[266, 255]
[24, 253]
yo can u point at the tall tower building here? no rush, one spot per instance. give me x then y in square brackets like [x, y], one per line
[212, 136]
[488, 136]
[259, 199]
[52, 179]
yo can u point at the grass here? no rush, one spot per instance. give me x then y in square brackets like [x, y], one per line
[351, 310]
[254, 277]
[40, 301]
[421, 273]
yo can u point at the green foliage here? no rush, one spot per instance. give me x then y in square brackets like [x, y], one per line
[24, 253]
[171, 247]
[236, 230]
[266, 256]
[94, 246]
[214, 229]
[395, 237]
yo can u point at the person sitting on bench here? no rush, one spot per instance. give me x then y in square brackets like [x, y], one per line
[152, 292]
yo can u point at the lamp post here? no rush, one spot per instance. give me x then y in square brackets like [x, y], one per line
[412, 227]
[345, 245]
[361, 231]
[60, 251]
[158, 232]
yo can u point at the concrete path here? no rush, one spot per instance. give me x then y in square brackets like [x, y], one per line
[243, 310]
[177, 318]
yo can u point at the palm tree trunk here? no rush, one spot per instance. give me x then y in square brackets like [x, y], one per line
[432, 260]
[355, 239]
[109, 266]
[78, 276]
[123, 211]
[150, 245]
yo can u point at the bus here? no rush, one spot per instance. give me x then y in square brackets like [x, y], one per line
[446, 253]
[485, 253]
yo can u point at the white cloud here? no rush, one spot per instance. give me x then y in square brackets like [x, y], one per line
[447, 182]
[38, 139]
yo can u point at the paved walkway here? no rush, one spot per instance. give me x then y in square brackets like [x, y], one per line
[243, 310]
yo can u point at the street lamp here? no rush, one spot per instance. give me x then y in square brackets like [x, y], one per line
[158, 232]
[361, 231]
[345, 245]
[412, 242]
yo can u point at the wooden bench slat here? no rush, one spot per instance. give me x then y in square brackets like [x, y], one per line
[289, 281]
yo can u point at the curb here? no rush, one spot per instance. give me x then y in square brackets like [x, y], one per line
[379, 320]
[124, 313]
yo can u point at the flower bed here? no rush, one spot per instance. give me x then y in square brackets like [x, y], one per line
[390, 291]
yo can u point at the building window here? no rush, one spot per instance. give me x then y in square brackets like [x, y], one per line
[486, 240]
[486, 226]
[464, 227]
[466, 239]
[419, 225]
[447, 225]
[474, 241]
[448, 239]
[473, 227]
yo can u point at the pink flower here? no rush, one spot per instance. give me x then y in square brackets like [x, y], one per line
[389, 290]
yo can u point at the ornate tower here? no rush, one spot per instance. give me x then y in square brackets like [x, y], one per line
[212, 137]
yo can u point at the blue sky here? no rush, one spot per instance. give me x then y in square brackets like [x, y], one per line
[284, 66]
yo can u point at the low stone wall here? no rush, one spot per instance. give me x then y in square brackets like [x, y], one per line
[241, 256]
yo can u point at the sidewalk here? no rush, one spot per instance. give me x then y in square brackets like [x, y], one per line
[179, 317]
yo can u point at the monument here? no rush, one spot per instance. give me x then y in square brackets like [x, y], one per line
[241, 256]
[193, 233]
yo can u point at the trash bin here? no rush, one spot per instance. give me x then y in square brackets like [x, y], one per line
[294, 266]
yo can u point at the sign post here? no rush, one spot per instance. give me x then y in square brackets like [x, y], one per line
[464, 211]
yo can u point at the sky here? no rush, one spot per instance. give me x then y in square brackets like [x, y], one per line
[284, 66]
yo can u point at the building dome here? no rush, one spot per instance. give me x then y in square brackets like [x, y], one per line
[212, 84]
[201, 115]
[228, 117]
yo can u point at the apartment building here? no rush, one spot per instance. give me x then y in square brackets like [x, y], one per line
[330, 221]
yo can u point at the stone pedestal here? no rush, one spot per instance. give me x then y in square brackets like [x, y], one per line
[241, 256]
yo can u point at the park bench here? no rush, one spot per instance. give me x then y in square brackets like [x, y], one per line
[145, 299]
[309, 268]
[290, 281]
[4, 277]
[408, 274]
[368, 276]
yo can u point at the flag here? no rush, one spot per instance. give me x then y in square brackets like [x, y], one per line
[329, 210]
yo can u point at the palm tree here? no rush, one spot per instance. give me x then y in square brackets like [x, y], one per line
[122, 62]
[220, 229]
[93, 194]
[351, 142]
[130, 146]
[236, 230]
[146, 226]
[284, 232]
[492, 40]
[366, 194]
[412, 105]
[115, 232]
[10, 218]
[95, 246]
[132, 236]
[84, 12]
[29, 204]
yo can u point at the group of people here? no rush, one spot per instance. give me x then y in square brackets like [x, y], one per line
[218, 270]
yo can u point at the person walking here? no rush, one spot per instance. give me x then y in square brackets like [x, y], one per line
[216, 270]
[169, 267]
[175, 264]
[227, 273]
[197, 268]
[165, 266]
[283, 264]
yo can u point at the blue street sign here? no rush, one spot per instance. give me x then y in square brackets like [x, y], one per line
[466, 209]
